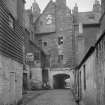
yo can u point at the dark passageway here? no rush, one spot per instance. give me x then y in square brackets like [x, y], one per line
[59, 81]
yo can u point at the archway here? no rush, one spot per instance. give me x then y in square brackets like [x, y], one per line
[59, 81]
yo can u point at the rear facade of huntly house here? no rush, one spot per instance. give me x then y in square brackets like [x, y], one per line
[55, 28]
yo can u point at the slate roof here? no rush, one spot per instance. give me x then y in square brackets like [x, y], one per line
[89, 17]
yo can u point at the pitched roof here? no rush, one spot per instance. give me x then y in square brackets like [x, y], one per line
[50, 3]
[89, 17]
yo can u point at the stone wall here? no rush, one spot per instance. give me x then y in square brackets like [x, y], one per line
[88, 82]
[55, 71]
[100, 71]
[64, 28]
[92, 75]
[51, 49]
[11, 77]
[90, 36]
[20, 11]
[46, 22]
[56, 21]
[102, 20]
[36, 78]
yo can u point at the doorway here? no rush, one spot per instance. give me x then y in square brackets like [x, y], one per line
[59, 81]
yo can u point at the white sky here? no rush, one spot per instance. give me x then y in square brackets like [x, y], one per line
[84, 5]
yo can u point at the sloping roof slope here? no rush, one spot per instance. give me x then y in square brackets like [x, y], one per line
[89, 17]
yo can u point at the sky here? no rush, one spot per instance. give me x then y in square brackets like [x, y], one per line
[84, 5]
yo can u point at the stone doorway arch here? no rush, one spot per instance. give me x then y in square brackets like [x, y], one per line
[58, 71]
[59, 81]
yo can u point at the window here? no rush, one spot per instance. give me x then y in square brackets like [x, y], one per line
[49, 19]
[60, 40]
[45, 43]
[11, 21]
[80, 28]
[37, 55]
[84, 77]
[60, 58]
[31, 35]
[40, 42]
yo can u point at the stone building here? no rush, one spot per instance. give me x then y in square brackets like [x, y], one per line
[35, 66]
[66, 37]
[11, 51]
[90, 73]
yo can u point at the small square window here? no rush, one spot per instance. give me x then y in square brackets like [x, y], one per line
[60, 40]
[45, 43]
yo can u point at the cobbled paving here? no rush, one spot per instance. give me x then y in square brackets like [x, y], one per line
[54, 97]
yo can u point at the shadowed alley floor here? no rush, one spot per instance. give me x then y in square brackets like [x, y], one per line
[51, 97]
